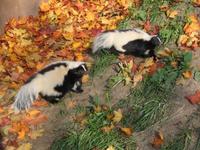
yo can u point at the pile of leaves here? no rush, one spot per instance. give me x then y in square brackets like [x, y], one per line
[191, 37]
[102, 130]
[17, 128]
[62, 30]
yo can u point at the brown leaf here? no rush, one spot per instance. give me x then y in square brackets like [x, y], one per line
[187, 74]
[195, 98]
[107, 129]
[71, 104]
[126, 131]
[158, 140]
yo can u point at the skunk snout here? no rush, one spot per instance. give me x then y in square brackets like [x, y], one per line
[155, 40]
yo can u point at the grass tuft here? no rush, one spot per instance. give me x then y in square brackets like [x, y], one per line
[180, 142]
[147, 103]
[102, 61]
[92, 137]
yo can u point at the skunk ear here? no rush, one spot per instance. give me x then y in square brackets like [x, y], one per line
[155, 40]
[79, 71]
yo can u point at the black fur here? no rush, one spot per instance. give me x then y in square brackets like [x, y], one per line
[139, 47]
[73, 76]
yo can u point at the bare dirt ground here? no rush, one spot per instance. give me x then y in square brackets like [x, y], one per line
[182, 113]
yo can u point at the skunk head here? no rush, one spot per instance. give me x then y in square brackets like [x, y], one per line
[80, 70]
[155, 41]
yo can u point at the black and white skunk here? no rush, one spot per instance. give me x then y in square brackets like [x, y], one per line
[51, 83]
[133, 41]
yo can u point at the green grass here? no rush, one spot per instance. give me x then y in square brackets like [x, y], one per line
[170, 29]
[92, 137]
[180, 142]
[102, 61]
[147, 103]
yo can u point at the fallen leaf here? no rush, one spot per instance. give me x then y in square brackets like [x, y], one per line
[25, 146]
[40, 103]
[97, 109]
[158, 140]
[172, 13]
[187, 74]
[110, 148]
[107, 129]
[165, 53]
[44, 7]
[126, 131]
[71, 104]
[164, 8]
[85, 78]
[195, 98]
[36, 133]
[1, 109]
[35, 121]
[117, 116]
[196, 2]
[33, 113]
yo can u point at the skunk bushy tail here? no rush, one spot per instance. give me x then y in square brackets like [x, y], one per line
[25, 97]
[103, 40]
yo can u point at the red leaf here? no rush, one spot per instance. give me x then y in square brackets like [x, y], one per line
[195, 98]
[5, 121]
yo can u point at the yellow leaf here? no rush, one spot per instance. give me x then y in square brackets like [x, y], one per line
[33, 113]
[26, 146]
[97, 109]
[148, 62]
[76, 45]
[183, 39]
[187, 74]
[165, 53]
[117, 116]
[137, 78]
[90, 16]
[44, 7]
[36, 133]
[127, 131]
[107, 129]
[172, 13]
[110, 148]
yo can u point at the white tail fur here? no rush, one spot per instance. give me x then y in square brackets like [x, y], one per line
[25, 97]
[103, 40]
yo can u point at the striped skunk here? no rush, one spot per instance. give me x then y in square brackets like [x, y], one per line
[132, 41]
[51, 83]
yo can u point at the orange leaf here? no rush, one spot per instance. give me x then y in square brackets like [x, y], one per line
[85, 78]
[33, 113]
[196, 2]
[127, 131]
[195, 98]
[187, 74]
[71, 104]
[35, 121]
[44, 7]
[1, 109]
[158, 140]
[39, 103]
